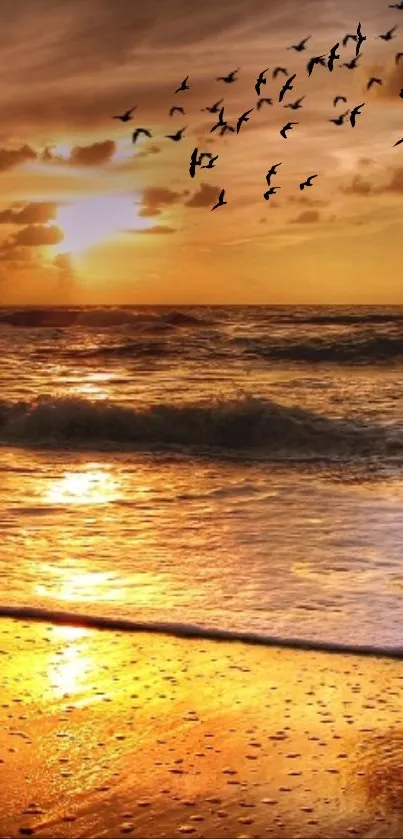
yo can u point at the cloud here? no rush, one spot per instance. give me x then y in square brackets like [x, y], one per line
[396, 182]
[155, 198]
[361, 187]
[157, 228]
[306, 200]
[392, 82]
[204, 196]
[93, 155]
[36, 212]
[35, 235]
[306, 217]
[358, 186]
[9, 158]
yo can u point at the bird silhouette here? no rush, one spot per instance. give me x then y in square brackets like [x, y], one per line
[214, 109]
[355, 112]
[211, 162]
[360, 39]
[316, 59]
[398, 142]
[261, 79]
[183, 85]
[351, 65]
[221, 121]
[295, 105]
[243, 118]
[175, 109]
[195, 161]
[300, 46]
[340, 119]
[177, 136]
[139, 131]
[398, 56]
[271, 191]
[397, 5]
[286, 86]
[231, 77]
[348, 38]
[333, 56]
[278, 70]
[220, 202]
[389, 35]
[286, 128]
[264, 101]
[126, 116]
[373, 80]
[271, 172]
[307, 182]
[401, 93]
[338, 99]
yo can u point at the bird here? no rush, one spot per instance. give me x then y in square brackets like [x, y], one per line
[316, 59]
[214, 109]
[401, 93]
[261, 79]
[398, 56]
[338, 99]
[271, 172]
[348, 38]
[388, 36]
[194, 161]
[355, 112]
[220, 202]
[177, 136]
[183, 85]
[360, 39]
[398, 142]
[340, 119]
[333, 56]
[300, 46]
[231, 77]
[351, 65]
[271, 191]
[295, 105]
[373, 80]
[211, 162]
[126, 116]
[396, 5]
[286, 128]
[286, 86]
[265, 101]
[243, 118]
[307, 182]
[174, 109]
[221, 121]
[139, 131]
[278, 70]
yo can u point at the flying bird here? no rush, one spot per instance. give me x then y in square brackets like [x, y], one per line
[264, 101]
[355, 112]
[338, 99]
[351, 65]
[388, 36]
[183, 85]
[243, 118]
[195, 161]
[295, 105]
[177, 136]
[214, 109]
[300, 46]
[398, 142]
[360, 39]
[221, 121]
[316, 59]
[220, 202]
[176, 109]
[286, 128]
[348, 38]
[398, 56]
[211, 162]
[340, 119]
[333, 56]
[232, 77]
[126, 116]
[308, 182]
[271, 191]
[272, 171]
[286, 86]
[401, 93]
[278, 70]
[397, 5]
[261, 79]
[139, 131]
[373, 80]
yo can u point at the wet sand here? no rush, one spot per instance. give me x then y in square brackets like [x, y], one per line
[108, 734]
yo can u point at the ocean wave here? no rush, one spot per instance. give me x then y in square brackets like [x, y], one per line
[353, 348]
[51, 317]
[187, 630]
[245, 424]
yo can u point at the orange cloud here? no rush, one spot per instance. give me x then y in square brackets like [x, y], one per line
[9, 158]
[307, 217]
[155, 198]
[157, 228]
[93, 155]
[36, 235]
[36, 212]
[205, 196]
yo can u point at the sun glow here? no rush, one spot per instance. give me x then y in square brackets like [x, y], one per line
[90, 221]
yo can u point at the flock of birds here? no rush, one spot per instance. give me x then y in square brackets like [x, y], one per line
[223, 126]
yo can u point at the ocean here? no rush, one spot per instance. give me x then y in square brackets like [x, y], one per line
[234, 468]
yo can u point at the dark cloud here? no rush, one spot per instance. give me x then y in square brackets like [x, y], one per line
[155, 198]
[157, 228]
[392, 78]
[205, 196]
[9, 158]
[36, 212]
[306, 201]
[361, 187]
[395, 184]
[36, 235]
[306, 217]
[358, 186]
[92, 155]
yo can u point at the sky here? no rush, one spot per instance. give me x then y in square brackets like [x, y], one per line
[86, 216]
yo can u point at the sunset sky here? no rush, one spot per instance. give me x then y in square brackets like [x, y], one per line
[88, 217]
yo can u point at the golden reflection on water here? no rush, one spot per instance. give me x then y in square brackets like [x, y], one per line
[86, 487]
[72, 586]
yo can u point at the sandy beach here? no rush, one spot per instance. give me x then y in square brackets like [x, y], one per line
[107, 734]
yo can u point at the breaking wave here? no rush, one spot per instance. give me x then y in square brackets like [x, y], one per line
[274, 430]
[354, 348]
